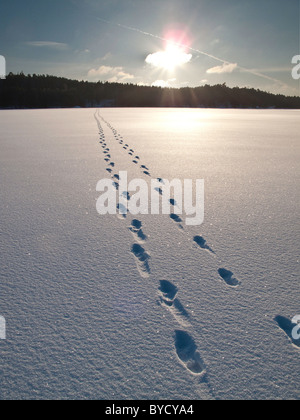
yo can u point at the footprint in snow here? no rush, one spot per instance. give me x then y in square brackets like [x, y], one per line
[142, 260]
[159, 190]
[200, 241]
[116, 185]
[290, 328]
[136, 230]
[172, 202]
[168, 299]
[188, 354]
[177, 220]
[126, 195]
[121, 211]
[228, 277]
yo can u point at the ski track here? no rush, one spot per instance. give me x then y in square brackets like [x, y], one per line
[185, 346]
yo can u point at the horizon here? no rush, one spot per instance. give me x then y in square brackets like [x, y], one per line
[147, 86]
[169, 44]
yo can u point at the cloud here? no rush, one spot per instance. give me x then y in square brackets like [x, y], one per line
[170, 58]
[163, 83]
[225, 68]
[106, 56]
[111, 74]
[47, 44]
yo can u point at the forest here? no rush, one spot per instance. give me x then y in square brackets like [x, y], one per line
[20, 91]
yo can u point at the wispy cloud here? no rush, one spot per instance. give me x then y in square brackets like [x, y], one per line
[47, 44]
[225, 68]
[106, 56]
[111, 74]
[272, 70]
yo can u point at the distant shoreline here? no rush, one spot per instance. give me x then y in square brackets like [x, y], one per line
[20, 91]
[153, 107]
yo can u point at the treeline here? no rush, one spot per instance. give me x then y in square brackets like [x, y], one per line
[19, 91]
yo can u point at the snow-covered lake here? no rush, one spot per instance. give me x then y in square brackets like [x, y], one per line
[106, 307]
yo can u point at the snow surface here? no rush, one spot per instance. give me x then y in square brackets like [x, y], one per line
[106, 307]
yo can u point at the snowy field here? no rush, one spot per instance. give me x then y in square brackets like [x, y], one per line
[145, 307]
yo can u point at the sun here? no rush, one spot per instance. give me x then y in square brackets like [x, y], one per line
[173, 56]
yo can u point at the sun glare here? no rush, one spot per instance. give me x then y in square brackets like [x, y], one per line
[172, 57]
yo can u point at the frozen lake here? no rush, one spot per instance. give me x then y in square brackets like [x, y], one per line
[145, 307]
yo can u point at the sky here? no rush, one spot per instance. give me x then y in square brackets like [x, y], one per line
[173, 43]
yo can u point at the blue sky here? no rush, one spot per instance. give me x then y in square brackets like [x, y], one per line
[240, 42]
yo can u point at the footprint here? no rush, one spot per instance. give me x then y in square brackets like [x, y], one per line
[121, 211]
[142, 260]
[116, 185]
[176, 219]
[168, 291]
[136, 224]
[288, 326]
[200, 241]
[126, 195]
[168, 298]
[187, 353]
[172, 202]
[136, 230]
[228, 277]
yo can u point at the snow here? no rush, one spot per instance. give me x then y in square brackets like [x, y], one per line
[106, 307]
